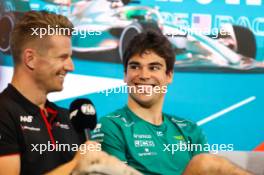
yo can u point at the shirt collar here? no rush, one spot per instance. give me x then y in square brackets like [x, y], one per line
[24, 102]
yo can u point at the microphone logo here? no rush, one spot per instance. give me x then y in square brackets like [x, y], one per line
[88, 109]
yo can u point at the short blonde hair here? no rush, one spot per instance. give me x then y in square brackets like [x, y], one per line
[22, 32]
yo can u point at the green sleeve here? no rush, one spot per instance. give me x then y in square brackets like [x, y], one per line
[196, 138]
[109, 134]
[200, 139]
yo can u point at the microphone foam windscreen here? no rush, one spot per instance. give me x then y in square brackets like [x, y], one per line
[83, 114]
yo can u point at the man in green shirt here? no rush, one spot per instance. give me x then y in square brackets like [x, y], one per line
[140, 134]
[148, 147]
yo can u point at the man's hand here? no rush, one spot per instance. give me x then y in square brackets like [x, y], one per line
[10, 164]
[94, 161]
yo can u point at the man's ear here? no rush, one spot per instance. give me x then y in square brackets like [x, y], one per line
[170, 77]
[29, 58]
[125, 77]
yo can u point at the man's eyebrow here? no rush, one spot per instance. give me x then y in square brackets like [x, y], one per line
[64, 55]
[156, 64]
[133, 62]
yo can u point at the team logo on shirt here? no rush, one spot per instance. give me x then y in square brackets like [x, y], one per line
[144, 143]
[27, 119]
[30, 128]
[127, 123]
[145, 147]
[146, 152]
[62, 126]
[179, 137]
[98, 127]
[142, 136]
[159, 133]
[97, 134]
[143, 140]
[180, 123]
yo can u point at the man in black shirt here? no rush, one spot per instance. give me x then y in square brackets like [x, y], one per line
[24, 126]
[28, 121]
[36, 136]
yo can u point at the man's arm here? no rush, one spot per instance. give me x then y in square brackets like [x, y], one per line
[94, 160]
[9, 149]
[10, 164]
[64, 169]
[198, 138]
[110, 137]
[204, 163]
[208, 164]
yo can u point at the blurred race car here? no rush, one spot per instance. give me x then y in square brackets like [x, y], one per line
[103, 27]
[109, 21]
[12, 10]
[234, 51]
[98, 23]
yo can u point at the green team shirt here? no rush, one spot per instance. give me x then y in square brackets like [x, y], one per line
[149, 148]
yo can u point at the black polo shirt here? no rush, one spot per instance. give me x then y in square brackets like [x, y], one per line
[23, 124]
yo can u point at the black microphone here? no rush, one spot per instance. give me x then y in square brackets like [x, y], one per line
[83, 117]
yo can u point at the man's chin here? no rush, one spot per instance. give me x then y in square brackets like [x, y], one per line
[56, 89]
[146, 104]
[60, 88]
[145, 101]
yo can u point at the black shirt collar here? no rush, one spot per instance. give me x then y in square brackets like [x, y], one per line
[30, 107]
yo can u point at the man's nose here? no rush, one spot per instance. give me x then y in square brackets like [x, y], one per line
[69, 66]
[145, 73]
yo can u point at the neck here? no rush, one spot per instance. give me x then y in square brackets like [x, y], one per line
[29, 89]
[152, 114]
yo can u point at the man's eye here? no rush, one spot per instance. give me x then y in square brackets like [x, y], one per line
[134, 67]
[64, 57]
[154, 68]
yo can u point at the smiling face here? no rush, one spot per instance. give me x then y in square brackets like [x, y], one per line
[144, 73]
[51, 67]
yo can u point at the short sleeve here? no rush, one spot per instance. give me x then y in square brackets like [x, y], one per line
[8, 134]
[198, 137]
[109, 134]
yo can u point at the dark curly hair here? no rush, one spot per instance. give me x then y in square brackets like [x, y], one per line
[152, 41]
